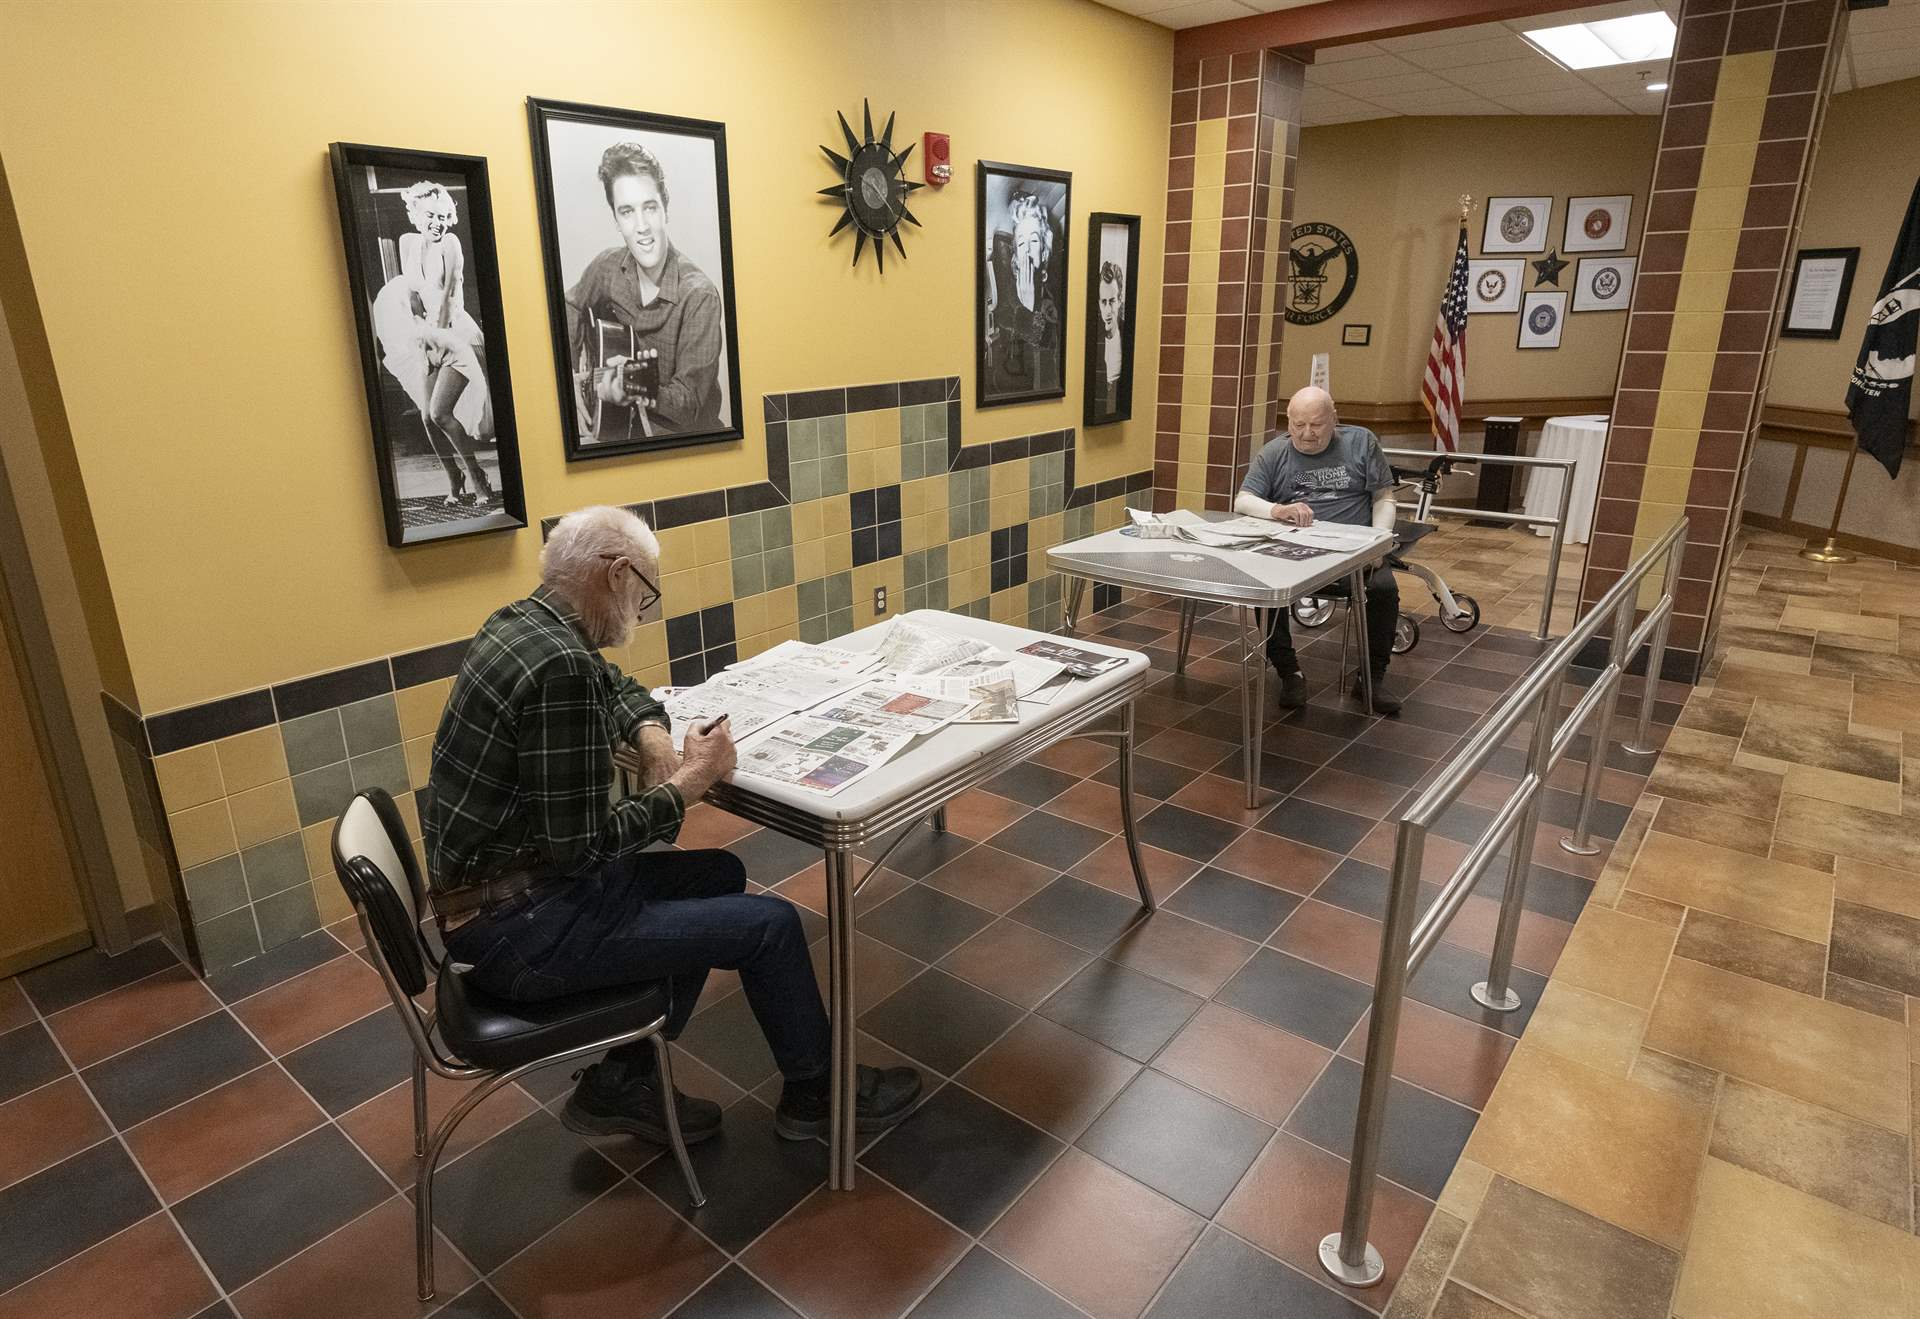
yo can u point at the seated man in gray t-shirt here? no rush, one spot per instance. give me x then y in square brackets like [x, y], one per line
[1320, 471]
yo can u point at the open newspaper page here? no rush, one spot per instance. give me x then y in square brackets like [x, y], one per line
[889, 707]
[747, 712]
[987, 687]
[910, 648]
[820, 755]
[1080, 663]
[790, 656]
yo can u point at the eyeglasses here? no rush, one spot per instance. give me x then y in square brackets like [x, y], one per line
[652, 596]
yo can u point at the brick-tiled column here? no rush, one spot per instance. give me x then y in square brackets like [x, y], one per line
[1230, 175]
[1749, 86]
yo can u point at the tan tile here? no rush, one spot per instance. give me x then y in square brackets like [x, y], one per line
[419, 753]
[1814, 1050]
[1456, 1302]
[189, 778]
[1790, 899]
[1795, 855]
[1715, 748]
[202, 834]
[1822, 692]
[1877, 999]
[1869, 885]
[1658, 910]
[1887, 703]
[1877, 947]
[317, 841]
[1752, 950]
[1619, 956]
[262, 814]
[1426, 1271]
[1769, 659]
[1721, 715]
[1617, 1150]
[1544, 1257]
[1733, 788]
[1466, 1187]
[1851, 832]
[1800, 618]
[420, 707]
[1847, 789]
[1853, 1164]
[1589, 1028]
[1762, 1248]
[1685, 819]
[1676, 1076]
[252, 759]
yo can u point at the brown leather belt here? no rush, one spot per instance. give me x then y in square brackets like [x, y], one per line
[462, 905]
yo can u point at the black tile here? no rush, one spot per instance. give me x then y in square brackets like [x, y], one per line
[966, 457]
[1424, 1133]
[1051, 840]
[753, 498]
[497, 1199]
[221, 1310]
[1228, 902]
[1444, 718]
[1446, 980]
[999, 575]
[871, 398]
[1463, 822]
[771, 857]
[922, 854]
[1190, 1148]
[28, 1060]
[861, 504]
[1006, 451]
[866, 546]
[215, 719]
[1358, 887]
[1181, 687]
[779, 473]
[721, 657]
[1324, 827]
[282, 963]
[816, 403]
[275, 1207]
[1466, 675]
[429, 664]
[1082, 914]
[982, 1284]
[773, 407]
[1281, 774]
[89, 974]
[1128, 1012]
[1298, 997]
[1329, 721]
[1386, 766]
[887, 503]
[940, 1020]
[1224, 1276]
[716, 626]
[963, 1158]
[1219, 724]
[923, 391]
[1135, 632]
[63, 1210]
[683, 510]
[1153, 779]
[888, 534]
[687, 670]
[1560, 809]
[750, 1175]
[734, 1295]
[354, 1063]
[172, 1069]
[1550, 892]
[924, 922]
[1188, 833]
[326, 691]
[478, 1302]
[727, 1038]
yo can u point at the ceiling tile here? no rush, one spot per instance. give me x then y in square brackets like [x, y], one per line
[1373, 66]
[1197, 13]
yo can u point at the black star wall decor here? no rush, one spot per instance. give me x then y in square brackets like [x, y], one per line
[873, 187]
[1547, 269]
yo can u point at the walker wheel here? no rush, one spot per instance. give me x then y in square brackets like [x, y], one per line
[1406, 634]
[1467, 619]
[1312, 611]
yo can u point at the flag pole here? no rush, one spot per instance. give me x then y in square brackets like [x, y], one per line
[1831, 553]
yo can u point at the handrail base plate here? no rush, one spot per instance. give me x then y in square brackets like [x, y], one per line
[1510, 1002]
[1367, 1274]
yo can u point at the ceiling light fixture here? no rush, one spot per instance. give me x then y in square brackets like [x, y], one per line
[1636, 39]
[1656, 87]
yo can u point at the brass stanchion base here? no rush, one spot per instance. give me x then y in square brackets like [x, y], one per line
[1828, 553]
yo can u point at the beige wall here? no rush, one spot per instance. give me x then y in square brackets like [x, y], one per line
[1393, 185]
[168, 162]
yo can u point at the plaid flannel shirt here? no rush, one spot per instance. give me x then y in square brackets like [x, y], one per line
[523, 763]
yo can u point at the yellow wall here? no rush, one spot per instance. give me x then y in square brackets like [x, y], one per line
[1863, 174]
[168, 162]
[1393, 186]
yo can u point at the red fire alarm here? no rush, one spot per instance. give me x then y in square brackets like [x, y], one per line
[938, 162]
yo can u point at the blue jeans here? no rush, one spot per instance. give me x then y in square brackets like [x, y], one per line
[669, 916]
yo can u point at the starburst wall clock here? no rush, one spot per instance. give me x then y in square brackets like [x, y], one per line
[873, 187]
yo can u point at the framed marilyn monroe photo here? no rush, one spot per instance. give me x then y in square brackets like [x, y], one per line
[1020, 304]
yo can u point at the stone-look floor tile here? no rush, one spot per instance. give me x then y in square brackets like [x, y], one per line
[1697, 744]
[1789, 899]
[1887, 1003]
[1617, 1150]
[1750, 950]
[1426, 1271]
[1795, 855]
[1835, 661]
[1878, 947]
[1685, 819]
[1814, 1050]
[1722, 715]
[1885, 703]
[1619, 956]
[1851, 1163]
[1759, 1247]
[1465, 1189]
[1657, 910]
[1868, 885]
[1675, 1076]
[1827, 692]
[1848, 831]
[1847, 789]
[1774, 660]
[1601, 1032]
[1456, 1302]
[1806, 618]
[1544, 1257]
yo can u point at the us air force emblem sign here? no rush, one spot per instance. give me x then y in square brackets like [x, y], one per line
[1323, 268]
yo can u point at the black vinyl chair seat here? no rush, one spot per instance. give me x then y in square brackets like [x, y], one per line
[497, 1034]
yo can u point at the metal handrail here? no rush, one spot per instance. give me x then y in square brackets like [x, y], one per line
[1346, 1254]
[1558, 522]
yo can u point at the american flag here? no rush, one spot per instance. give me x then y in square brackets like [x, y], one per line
[1444, 385]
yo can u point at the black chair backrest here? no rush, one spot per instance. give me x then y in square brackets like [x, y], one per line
[376, 866]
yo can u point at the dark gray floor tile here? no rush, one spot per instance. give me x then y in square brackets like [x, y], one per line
[514, 1188]
[1550, 892]
[1298, 997]
[727, 1038]
[90, 973]
[733, 1294]
[1447, 978]
[1187, 833]
[1050, 840]
[63, 1210]
[751, 1176]
[1153, 779]
[173, 1068]
[1385, 766]
[962, 1157]
[28, 1060]
[476, 1302]
[1324, 827]
[983, 1284]
[940, 1020]
[1186, 1146]
[282, 963]
[355, 1063]
[924, 922]
[1085, 915]
[1128, 1012]
[1030, 784]
[1424, 1133]
[1223, 1276]
[1228, 902]
[771, 857]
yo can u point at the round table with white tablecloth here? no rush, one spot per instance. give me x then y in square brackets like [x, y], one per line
[1583, 439]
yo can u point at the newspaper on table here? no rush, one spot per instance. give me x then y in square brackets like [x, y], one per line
[794, 655]
[797, 686]
[1333, 536]
[822, 755]
[747, 711]
[1080, 663]
[998, 703]
[1046, 692]
[1151, 526]
[910, 648]
[890, 707]
[987, 686]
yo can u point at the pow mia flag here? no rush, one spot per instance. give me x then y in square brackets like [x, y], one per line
[1882, 387]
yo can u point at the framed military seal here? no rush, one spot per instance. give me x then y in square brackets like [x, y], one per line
[1516, 224]
[1542, 317]
[1603, 283]
[1495, 285]
[1324, 267]
[1597, 224]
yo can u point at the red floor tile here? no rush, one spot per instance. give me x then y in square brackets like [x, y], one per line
[314, 1003]
[1441, 1052]
[145, 1272]
[204, 1139]
[1247, 1063]
[133, 1014]
[366, 1269]
[1278, 861]
[44, 1126]
[1054, 1078]
[860, 1254]
[1109, 866]
[383, 1126]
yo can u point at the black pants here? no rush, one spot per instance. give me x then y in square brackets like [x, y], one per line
[1383, 614]
[669, 916]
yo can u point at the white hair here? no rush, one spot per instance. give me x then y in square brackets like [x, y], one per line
[573, 563]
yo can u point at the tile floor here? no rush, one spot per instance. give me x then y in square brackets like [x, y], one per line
[1124, 1116]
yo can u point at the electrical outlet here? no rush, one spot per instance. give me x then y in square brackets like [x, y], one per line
[879, 599]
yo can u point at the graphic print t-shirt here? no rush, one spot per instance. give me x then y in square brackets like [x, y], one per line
[1338, 483]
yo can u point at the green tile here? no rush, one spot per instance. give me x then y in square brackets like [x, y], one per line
[980, 518]
[274, 866]
[935, 425]
[286, 916]
[937, 593]
[776, 527]
[913, 425]
[216, 888]
[833, 436]
[916, 597]
[227, 940]
[312, 741]
[959, 519]
[321, 794]
[779, 568]
[913, 569]
[749, 576]
[839, 591]
[814, 630]
[1036, 502]
[812, 598]
[370, 724]
[936, 562]
[803, 440]
[839, 622]
[1138, 499]
[743, 534]
[806, 479]
[913, 462]
[382, 769]
[833, 476]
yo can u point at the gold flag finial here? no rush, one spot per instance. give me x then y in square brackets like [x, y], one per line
[1466, 205]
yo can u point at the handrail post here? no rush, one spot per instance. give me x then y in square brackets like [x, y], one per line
[1347, 1254]
[1600, 736]
[1657, 651]
[1494, 992]
[1553, 553]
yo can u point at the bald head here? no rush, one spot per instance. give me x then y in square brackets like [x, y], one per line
[1310, 419]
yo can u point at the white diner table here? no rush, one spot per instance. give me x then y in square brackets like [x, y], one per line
[1583, 439]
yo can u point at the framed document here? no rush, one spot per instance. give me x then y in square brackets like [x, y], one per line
[1822, 279]
[1356, 336]
[1542, 317]
[1494, 285]
[1516, 224]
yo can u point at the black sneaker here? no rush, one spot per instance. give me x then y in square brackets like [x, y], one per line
[1384, 701]
[884, 1097]
[608, 1102]
[1293, 689]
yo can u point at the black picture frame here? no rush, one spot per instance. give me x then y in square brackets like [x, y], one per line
[459, 374]
[690, 167]
[1108, 399]
[1020, 352]
[1827, 329]
[1356, 336]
